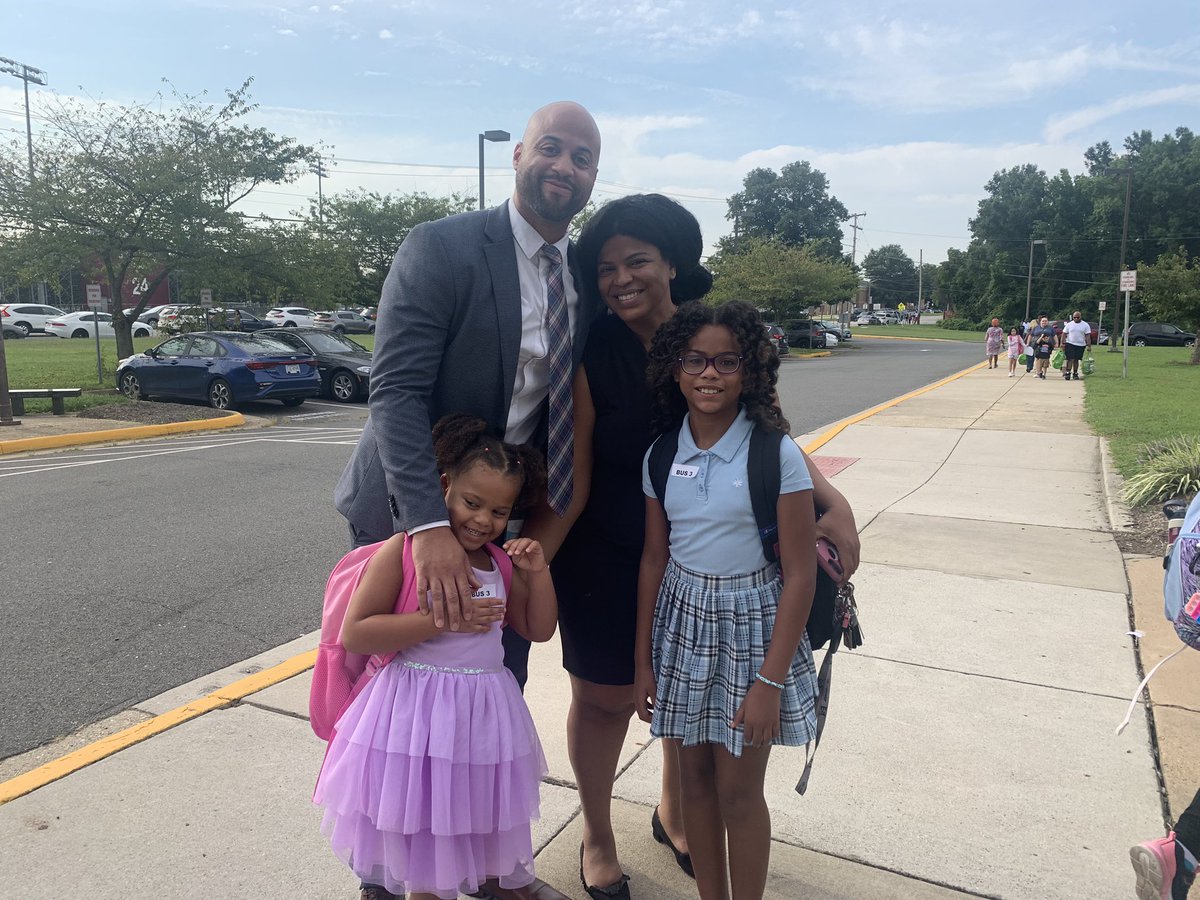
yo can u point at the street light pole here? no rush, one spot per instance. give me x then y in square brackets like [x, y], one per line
[496, 137]
[1029, 280]
[26, 74]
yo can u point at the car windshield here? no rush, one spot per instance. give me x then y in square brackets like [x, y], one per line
[331, 342]
[259, 344]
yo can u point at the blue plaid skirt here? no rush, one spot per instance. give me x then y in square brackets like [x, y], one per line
[711, 634]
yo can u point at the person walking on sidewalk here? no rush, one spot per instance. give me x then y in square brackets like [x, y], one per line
[1076, 339]
[433, 771]
[1016, 347]
[1044, 340]
[993, 341]
[1027, 337]
[724, 669]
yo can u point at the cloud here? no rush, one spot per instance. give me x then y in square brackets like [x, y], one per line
[385, 34]
[286, 32]
[1061, 127]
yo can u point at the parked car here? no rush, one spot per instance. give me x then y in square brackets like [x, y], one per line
[806, 333]
[344, 365]
[150, 316]
[1156, 334]
[11, 332]
[84, 324]
[369, 312]
[778, 337]
[236, 320]
[291, 316]
[224, 368]
[345, 320]
[831, 340]
[28, 317]
[871, 319]
[174, 319]
[843, 333]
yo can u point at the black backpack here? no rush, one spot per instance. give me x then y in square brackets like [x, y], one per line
[762, 472]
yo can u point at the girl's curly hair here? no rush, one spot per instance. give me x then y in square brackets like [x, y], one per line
[760, 363]
[460, 441]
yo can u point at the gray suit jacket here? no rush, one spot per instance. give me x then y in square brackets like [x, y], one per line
[446, 340]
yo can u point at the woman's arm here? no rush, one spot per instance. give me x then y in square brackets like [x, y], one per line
[837, 518]
[759, 711]
[532, 602]
[543, 525]
[650, 576]
[372, 625]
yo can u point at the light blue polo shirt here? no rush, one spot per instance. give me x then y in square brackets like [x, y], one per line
[712, 521]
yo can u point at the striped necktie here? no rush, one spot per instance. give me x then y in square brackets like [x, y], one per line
[559, 471]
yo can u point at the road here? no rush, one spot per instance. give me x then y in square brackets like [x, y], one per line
[130, 570]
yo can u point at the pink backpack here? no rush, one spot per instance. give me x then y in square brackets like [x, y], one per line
[338, 675]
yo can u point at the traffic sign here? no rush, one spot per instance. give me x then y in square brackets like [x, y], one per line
[1129, 280]
[1103, 305]
[94, 301]
[206, 297]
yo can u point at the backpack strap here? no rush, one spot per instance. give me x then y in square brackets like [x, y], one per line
[762, 471]
[662, 454]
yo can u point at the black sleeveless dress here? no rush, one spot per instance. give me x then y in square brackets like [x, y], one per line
[596, 570]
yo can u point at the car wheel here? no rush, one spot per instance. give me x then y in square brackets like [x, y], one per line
[130, 386]
[339, 329]
[220, 394]
[79, 333]
[289, 324]
[1190, 343]
[343, 387]
[141, 332]
[293, 401]
[370, 329]
[1139, 342]
[23, 327]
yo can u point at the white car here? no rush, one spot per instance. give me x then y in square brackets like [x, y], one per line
[28, 317]
[291, 316]
[831, 340]
[83, 325]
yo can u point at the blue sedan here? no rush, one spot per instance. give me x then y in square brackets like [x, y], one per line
[222, 367]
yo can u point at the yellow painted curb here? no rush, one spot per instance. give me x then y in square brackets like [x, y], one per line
[94, 752]
[816, 444]
[137, 432]
[811, 355]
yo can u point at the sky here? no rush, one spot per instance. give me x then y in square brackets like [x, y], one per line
[908, 108]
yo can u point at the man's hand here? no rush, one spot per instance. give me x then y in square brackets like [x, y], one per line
[838, 526]
[444, 577]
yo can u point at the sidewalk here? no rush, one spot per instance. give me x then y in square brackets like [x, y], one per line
[970, 748]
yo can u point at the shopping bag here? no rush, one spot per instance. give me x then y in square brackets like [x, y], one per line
[1023, 359]
[1089, 364]
[1056, 360]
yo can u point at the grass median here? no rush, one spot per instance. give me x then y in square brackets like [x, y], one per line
[1156, 401]
[931, 332]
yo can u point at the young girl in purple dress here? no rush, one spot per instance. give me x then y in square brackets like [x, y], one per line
[433, 772]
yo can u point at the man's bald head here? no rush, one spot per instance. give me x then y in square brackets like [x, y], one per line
[556, 164]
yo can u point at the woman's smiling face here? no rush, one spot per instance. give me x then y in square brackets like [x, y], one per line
[635, 280]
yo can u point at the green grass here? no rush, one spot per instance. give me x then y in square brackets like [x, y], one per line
[1156, 401]
[917, 331]
[42, 362]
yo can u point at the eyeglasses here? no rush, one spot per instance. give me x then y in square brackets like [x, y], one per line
[722, 363]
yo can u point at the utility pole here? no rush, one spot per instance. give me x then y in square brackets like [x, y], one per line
[854, 239]
[318, 169]
[26, 74]
[920, 283]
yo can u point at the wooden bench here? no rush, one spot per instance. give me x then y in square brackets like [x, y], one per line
[56, 396]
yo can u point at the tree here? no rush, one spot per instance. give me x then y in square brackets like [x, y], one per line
[142, 191]
[793, 207]
[785, 280]
[1170, 292]
[893, 275]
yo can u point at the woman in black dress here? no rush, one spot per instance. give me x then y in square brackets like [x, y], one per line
[642, 255]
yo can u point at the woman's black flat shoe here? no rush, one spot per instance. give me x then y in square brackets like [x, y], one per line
[618, 890]
[660, 835]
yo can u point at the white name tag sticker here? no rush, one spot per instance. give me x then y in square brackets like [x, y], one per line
[484, 593]
[685, 471]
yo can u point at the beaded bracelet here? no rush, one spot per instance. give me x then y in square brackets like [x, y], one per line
[765, 680]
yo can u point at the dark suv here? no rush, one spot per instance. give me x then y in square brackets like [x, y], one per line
[1155, 334]
[805, 333]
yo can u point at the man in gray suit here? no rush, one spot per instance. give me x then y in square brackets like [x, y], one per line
[462, 328]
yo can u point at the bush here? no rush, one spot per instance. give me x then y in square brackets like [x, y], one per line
[1167, 468]
[960, 324]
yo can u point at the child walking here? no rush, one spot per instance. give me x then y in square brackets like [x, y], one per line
[1016, 347]
[723, 665]
[432, 773]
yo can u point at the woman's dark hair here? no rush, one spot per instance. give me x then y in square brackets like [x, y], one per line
[760, 363]
[657, 220]
[460, 441]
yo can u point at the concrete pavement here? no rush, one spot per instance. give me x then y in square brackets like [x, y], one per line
[970, 747]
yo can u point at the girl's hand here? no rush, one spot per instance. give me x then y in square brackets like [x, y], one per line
[645, 690]
[838, 526]
[526, 554]
[759, 715]
[485, 612]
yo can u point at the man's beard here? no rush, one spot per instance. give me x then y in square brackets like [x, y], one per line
[530, 187]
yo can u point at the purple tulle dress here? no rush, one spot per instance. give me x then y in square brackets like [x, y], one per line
[432, 775]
